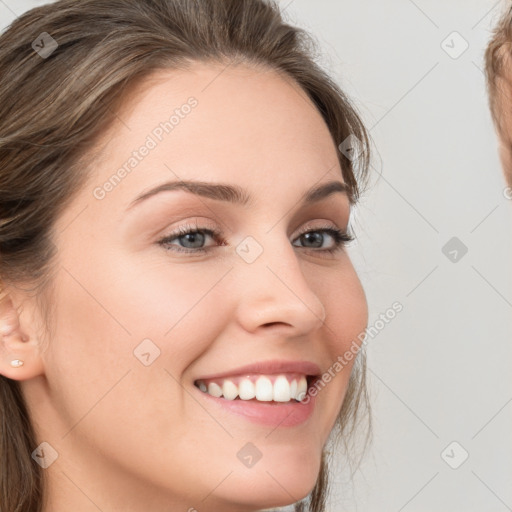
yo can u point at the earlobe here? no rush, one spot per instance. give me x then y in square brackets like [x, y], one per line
[19, 354]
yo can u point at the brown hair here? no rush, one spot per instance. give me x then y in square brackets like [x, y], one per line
[56, 105]
[497, 55]
[498, 71]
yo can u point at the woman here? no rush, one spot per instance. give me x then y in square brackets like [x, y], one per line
[497, 73]
[176, 184]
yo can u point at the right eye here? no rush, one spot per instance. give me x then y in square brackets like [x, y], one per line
[192, 236]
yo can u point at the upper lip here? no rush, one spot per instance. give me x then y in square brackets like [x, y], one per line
[269, 367]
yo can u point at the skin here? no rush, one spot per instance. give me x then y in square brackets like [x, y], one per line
[132, 437]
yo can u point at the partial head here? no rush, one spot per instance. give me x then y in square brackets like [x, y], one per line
[498, 69]
[174, 207]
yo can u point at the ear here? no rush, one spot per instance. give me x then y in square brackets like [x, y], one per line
[18, 338]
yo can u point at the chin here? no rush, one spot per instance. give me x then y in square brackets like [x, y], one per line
[279, 482]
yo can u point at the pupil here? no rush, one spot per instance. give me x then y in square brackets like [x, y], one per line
[312, 236]
[190, 237]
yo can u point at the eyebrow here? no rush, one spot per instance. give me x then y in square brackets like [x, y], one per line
[236, 194]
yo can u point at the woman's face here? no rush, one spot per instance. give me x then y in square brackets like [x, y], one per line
[139, 322]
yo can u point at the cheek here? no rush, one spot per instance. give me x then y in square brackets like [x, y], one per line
[111, 306]
[180, 304]
[346, 319]
[346, 308]
[98, 383]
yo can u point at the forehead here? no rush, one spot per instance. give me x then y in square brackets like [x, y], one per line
[249, 126]
[239, 106]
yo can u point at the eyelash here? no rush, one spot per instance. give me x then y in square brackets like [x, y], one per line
[341, 238]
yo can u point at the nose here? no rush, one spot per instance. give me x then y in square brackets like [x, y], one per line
[276, 295]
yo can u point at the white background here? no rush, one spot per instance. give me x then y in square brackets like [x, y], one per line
[440, 371]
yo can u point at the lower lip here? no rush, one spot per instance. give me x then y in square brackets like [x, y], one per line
[276, 414]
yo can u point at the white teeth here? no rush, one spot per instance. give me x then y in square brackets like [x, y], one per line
[214, 389]
[302, 387]
[284, 389]
[281, 389]
[293, 388]
[229, 390]
[264, 391]
[246, 390]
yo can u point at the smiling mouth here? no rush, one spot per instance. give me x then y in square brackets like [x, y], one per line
[265, 388]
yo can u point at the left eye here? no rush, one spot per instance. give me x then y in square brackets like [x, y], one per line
[192, 239]
[316, 236]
